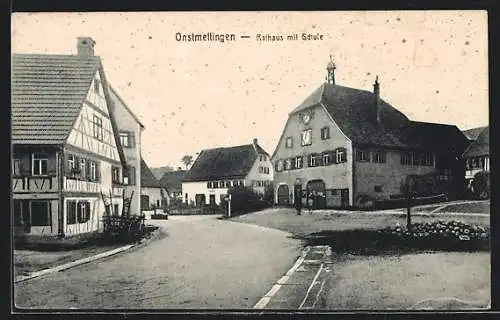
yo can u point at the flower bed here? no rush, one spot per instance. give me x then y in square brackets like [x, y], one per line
[446, 236]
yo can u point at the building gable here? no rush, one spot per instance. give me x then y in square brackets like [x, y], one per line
[92, 131]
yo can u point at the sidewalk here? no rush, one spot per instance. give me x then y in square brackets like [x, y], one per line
[29, 264]
[298, 288]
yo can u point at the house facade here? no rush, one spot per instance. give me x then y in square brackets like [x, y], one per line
[130, 131]
[153, 195]
[215, 171]
[344, 145]
[477, 154]
[67, 161]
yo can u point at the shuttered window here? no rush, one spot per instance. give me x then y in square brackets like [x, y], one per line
[340, 155]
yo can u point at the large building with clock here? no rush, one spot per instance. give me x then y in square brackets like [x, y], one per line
[347, 145]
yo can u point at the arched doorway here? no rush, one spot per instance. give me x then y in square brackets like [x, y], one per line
[318, 188]
[283, 195]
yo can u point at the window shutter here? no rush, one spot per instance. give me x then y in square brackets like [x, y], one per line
[97, 172]
[344, 155]
[51, 164]
[88, 174]
[131, 176]
[26, 165]
[131, 138]
[67, 169]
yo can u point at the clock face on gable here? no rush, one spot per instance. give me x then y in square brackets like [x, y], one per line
[306, 117]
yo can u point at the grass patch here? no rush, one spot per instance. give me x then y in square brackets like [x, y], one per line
[471, 207]
[436, 281]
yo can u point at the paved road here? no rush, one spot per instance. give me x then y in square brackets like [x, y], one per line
[202, 262]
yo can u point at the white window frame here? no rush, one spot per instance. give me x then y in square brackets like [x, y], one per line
[125, 139]
[298, 162]
[288, 164]
[71, 161]
[97, 128]
[313, 161]
[306, 133]
[280, 165]
[93, 171]
[289, 142]
[338, 155]
[14, 162]
[36, 158]
[326, 156]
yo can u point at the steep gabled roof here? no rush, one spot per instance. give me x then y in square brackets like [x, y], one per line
[442, 138]
[479, 147]
[353, 110]
[116, 97]
[148, 180]
[473, 133]
[172, 181]
[47, 95]
[223, 163]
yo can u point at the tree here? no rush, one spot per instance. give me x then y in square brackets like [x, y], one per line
[187, 160]
[481, 185]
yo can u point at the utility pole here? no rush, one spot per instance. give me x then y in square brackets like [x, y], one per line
[409, 198]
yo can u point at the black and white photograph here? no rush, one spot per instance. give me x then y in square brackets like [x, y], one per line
[260, 161]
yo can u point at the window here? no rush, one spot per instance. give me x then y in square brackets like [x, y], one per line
[235, 183]
[82, 167]
[221, 184]
[71, 161]
[262, 157]
[340, 155]
[227, 184]
[115, 171]
[41, 213]
[209, 185]
[298, 162]
[93, 171]
[97, 86]
[306, 137]
[127, 139]
[313, 160]
[406, 158]
[39, 164]
[97, 127]
[16, 167]
[83, 213]
[261, 170]
[326, 159]
[288, 164]
[116, 209]
[266, 170]
[129, 176]
[379, 156]
[241, 183]
[468, 164]
[289, 142]
[378, 189]
[363, 156]
[429, 159]
[279, 165]
[325, 133]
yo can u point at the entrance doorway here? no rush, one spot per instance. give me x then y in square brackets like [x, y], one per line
[283, 195]
[144, 202]
[200, 199]
[317, 189]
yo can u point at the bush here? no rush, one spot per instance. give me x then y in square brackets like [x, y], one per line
[440, 235]
[245, 199]
[481, 185]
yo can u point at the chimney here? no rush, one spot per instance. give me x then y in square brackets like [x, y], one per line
[179, 169]
[255, 141]
[85, 46]
[376, 92]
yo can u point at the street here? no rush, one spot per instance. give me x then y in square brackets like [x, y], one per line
[201, 263]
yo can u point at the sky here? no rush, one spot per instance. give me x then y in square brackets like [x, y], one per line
[432, 66]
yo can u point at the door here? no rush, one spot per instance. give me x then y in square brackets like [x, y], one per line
[212, 199]
[344, 198]
[199, 199]
[283, 194]
[144, 202]
[318, 190]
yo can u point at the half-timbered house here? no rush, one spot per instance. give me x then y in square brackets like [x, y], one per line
[66, 156]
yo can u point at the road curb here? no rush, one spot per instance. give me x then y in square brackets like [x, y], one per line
[72, 264]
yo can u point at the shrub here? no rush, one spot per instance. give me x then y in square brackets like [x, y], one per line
[481, 185]
[245, 199]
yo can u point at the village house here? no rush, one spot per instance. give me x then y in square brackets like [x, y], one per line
[477, 154]
[67, 161]
[130, 130]
[153, 196]
[171, 181]
[215, 171]
[347, 145]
